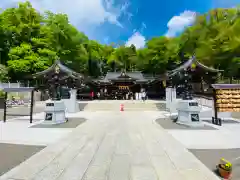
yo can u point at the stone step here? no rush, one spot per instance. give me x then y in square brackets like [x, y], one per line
[129, 106]
[126, 104]
[119, 108]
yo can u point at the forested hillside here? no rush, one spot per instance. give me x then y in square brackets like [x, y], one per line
[30, 42]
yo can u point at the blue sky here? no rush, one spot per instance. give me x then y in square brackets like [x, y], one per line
[128, 21]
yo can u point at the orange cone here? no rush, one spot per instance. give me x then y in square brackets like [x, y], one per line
[121, 107]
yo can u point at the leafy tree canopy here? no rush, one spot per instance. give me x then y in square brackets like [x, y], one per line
[30, 42]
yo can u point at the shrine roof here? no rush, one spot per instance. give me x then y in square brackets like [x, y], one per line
[136, 76]
[189, 63]
[60, 67]
[124, 75]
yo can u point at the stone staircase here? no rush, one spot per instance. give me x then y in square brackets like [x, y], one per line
[128, 106]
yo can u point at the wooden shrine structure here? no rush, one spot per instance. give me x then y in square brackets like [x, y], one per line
[56, 77]
[200, 76]
[133, 82]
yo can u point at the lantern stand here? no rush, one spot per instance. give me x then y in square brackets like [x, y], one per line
[188, 108]
[187, 95]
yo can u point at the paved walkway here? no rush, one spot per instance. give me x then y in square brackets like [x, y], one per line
[116, 146]
[226, 137]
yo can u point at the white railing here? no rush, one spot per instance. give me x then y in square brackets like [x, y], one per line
[205, 102]
[13, 85]
[9, 85]
[18, 95]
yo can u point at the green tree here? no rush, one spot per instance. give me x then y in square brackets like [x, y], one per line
[66, 41]
[21, 25]
[3, 73]
[157, 58]
[30, 42]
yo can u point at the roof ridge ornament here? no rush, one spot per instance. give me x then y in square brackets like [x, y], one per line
[57, 69]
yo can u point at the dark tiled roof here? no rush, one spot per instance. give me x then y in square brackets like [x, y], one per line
[136, 76]
[188, 64]
[111, 75]
[116, 75]
[62, 68]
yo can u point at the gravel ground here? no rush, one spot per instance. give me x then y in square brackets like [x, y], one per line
[236, 115]
[71, 123]
[211, 157]
[25, 111]
[20, 111]
[224, 121]
[12, 155]
[167, 123]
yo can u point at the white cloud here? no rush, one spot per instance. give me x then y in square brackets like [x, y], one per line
[137, 39]
[85, 14]
[179, 23]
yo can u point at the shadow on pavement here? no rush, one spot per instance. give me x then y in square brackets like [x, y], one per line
[167, 123]
[82, 106]
[71, 123]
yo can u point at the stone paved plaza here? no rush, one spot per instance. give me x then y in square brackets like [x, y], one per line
[125, 145]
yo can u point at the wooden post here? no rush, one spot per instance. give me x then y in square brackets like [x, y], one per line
[214, 106]
[31, 108]
[215, 119]
[5, 107]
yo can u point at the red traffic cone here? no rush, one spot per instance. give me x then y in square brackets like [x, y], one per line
[121, 107]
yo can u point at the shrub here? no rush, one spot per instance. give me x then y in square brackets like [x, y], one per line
[2, 94]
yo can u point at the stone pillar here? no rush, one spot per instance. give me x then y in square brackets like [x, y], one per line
[171, 97]
[168, 98]
[71, 104]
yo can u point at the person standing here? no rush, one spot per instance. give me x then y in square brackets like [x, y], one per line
[98, 95]
[92, 95]
[143, 95]
[127, 95]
